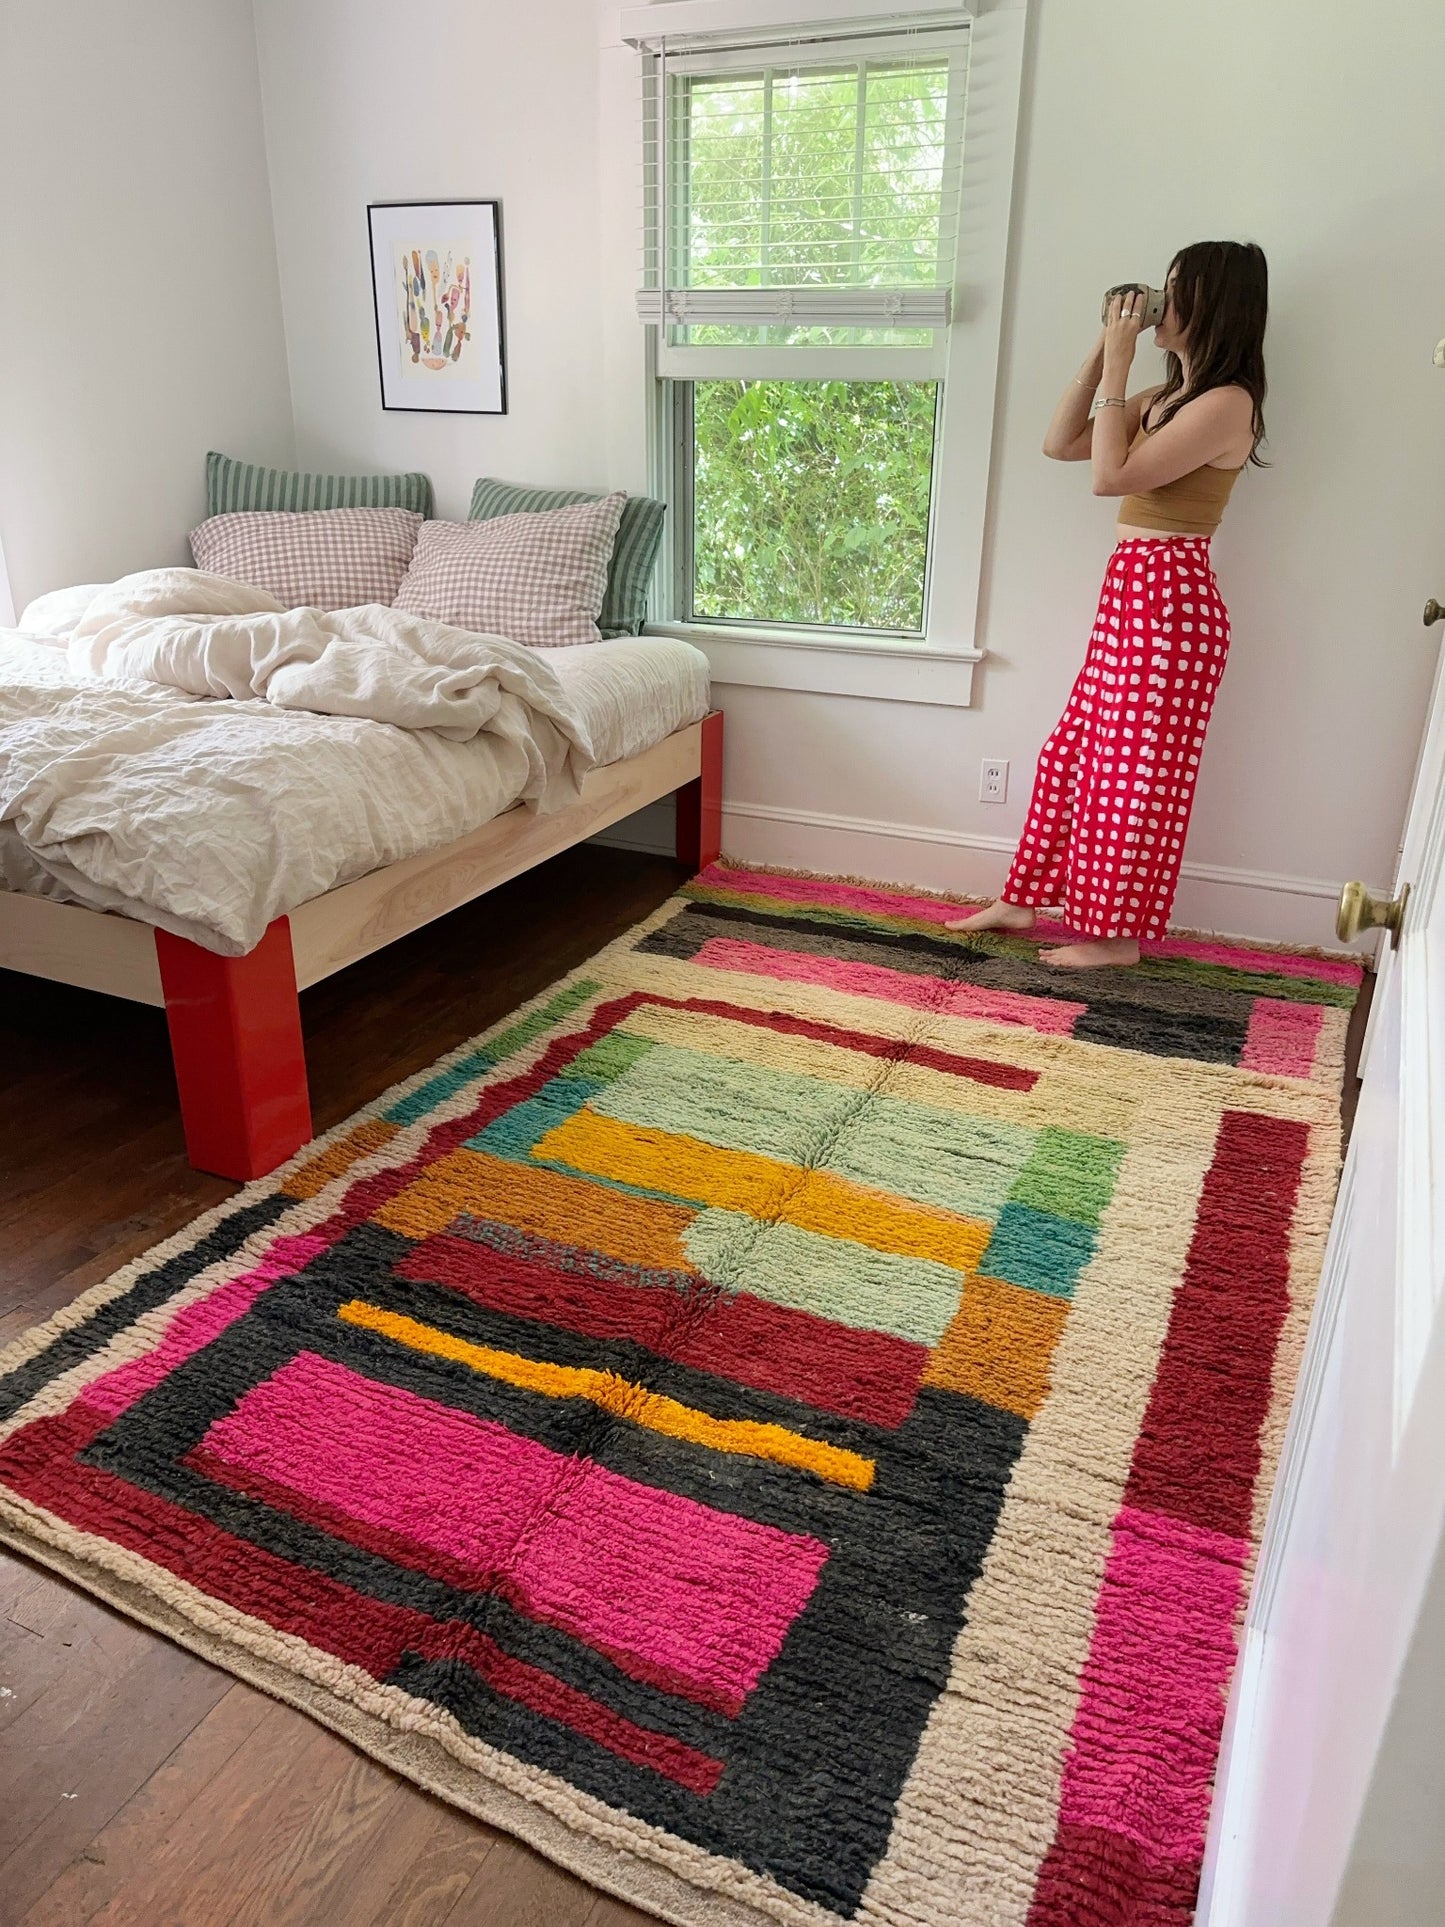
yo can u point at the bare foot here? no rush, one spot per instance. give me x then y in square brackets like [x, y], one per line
[1102, 953]
[996, 916]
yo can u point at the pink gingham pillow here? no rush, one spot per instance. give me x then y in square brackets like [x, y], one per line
[536, 577]
[314, 558]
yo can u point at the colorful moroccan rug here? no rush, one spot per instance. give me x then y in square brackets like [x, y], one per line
[782, 1423]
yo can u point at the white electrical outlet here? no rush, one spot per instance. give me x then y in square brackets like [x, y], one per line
[993, 780]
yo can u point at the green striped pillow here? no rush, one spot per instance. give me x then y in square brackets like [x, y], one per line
[624, 605]
[232, 485]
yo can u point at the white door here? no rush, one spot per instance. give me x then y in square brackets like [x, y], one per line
[1330, 1810]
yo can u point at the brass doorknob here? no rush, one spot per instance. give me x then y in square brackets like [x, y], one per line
[1359, 912]
[1433, 611]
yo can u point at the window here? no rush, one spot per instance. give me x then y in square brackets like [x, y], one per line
[805, 501]
[799, 268]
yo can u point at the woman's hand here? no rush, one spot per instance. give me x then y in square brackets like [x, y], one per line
[1121, 337]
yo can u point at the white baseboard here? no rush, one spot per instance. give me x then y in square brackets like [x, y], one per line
[1262, 904]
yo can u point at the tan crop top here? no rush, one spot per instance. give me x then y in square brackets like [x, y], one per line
[1193, 504]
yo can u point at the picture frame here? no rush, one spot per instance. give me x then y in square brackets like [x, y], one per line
[436, 280]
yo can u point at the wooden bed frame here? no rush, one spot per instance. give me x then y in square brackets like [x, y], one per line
[235, 1023]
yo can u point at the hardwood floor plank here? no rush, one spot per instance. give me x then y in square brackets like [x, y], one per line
[53, 1634]
[311, 1873]
[80, 1774]
[515, 1887]
[117, 1856]
[201, 1866]
[430, 1856]
[18, 1579]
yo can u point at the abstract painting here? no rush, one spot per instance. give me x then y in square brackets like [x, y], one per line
[436, 271]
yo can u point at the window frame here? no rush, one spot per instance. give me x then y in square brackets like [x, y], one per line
[936, 667]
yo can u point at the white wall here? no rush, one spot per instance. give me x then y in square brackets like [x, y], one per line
[469, 99]
[141, 321]
[1303, 124]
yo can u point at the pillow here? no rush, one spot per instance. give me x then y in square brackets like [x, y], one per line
[234, 485]
[624, 607]
[322, 559]
[536, 578]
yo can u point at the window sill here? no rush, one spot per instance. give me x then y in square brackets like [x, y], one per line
[881, 669]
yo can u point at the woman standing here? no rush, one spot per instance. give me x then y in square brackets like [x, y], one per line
[1115, 781]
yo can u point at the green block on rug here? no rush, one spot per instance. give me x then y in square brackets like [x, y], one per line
[943, 1157]
[517, 1036]
[1069, 1175]
[846, 1283]
[610, 1057]
[1251, 983]
[723, 1101]
[1037, 1250]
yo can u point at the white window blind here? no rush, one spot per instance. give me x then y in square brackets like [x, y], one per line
[803, 188]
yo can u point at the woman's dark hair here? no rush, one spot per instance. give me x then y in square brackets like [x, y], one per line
[1220, 298]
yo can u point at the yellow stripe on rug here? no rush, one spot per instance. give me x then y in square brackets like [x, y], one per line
[745, 1437]
[765, 1188]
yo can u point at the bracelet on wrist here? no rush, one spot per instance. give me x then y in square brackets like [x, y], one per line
[1111, 401]
[1079, 382]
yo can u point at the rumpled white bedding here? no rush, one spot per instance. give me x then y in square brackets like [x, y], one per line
[343, 741]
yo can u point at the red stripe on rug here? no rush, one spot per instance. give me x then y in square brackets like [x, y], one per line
[1197, 1454]
[1094, 1878]
[1052, 1016]
[544, 1693]
[39, 1461]
[980, 1070]
[856, 1373]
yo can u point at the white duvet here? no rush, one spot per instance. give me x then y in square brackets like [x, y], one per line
[193, 754]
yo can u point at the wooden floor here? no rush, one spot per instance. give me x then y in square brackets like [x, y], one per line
[137, 1784]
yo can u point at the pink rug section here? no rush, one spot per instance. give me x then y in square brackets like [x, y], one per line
[840, 896]
[1050, 1015]
[1275, 963]
[192, 1329]
[897, 903]
[1146, 1735]
[687, 1593]
[1282, 1038]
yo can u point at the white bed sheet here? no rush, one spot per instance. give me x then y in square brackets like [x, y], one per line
[210, 818]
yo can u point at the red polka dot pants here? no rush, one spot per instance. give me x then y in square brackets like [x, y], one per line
[1115, 781]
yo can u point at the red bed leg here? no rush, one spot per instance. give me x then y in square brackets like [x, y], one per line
[699, 803]
[236, 1042]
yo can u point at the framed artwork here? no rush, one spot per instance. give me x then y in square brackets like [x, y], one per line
[436, 276]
